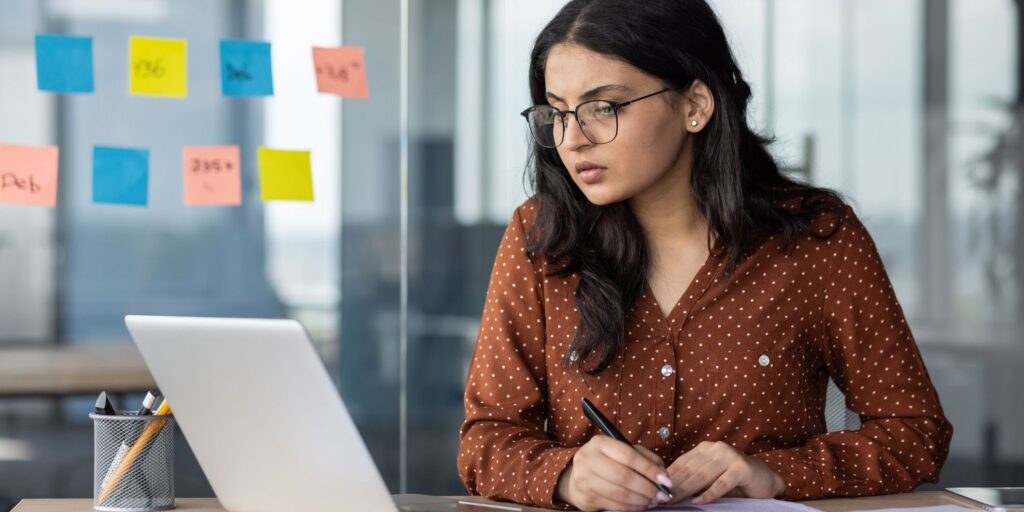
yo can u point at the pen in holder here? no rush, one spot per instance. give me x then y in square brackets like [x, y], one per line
[133, 462]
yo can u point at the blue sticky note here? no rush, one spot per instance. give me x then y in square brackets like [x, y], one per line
[64, 63]
[120, 175]
[245, 68]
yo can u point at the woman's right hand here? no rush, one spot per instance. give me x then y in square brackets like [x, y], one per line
[606, 474]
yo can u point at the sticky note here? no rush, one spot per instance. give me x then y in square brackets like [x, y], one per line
[245, 68]
[285, 175]
[341, 71]
[212, 175]
[120, 175]
[158, 67]
[64, 63]
[28, 175]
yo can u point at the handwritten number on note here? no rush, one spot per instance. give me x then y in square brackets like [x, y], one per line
[208, 166]
[149, 68]
[337, 72]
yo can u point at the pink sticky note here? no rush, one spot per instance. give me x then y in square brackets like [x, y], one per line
[213, 175]
[28, 175]
[341, 71]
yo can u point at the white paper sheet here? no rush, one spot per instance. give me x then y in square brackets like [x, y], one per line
[738, 505]
[935, 508]
[761, 505]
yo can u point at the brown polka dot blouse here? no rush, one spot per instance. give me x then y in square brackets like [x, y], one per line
[744, 360]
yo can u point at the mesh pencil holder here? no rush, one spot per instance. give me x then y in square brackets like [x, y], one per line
[133, 467]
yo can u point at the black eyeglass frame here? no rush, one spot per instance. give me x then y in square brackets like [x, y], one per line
[616, 105]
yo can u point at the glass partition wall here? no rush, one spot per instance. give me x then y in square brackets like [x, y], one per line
[908, 107]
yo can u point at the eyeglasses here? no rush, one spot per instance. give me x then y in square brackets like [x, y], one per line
[598, 120]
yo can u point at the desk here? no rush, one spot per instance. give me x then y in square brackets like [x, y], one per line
[917, 499]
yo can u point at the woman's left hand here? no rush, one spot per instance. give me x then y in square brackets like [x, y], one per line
[718, 470]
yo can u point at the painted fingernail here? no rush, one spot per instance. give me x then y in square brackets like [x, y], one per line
[662, 497]
[663, 479]
[698, 500]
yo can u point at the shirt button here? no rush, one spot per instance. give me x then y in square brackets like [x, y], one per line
[573, 356]
[663, 432]
[763, 360]
[667, 370]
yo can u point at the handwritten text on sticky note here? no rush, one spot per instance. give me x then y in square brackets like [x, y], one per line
[341, 71]
[245, 68]
[28, 175]
[158, 67]
[285, 175]
[212, 175]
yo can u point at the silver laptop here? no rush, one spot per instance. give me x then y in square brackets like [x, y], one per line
[261, 414]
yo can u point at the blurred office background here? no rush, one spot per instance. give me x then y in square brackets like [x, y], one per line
[910, 107]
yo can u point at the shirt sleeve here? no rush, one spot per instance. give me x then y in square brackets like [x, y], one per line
[871, 355]
[504, 451]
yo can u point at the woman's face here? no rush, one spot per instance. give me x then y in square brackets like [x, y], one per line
[651, 148]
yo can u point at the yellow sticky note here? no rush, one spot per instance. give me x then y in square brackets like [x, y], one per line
[158, 67]
[285, 175]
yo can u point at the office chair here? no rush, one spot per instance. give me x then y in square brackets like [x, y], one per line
[837, 416]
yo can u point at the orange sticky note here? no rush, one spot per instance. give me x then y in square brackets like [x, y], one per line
[341, 71]
[213, 175]
[28, 175]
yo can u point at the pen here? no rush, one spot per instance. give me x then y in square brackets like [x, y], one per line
[146, 409]
[149, 433]
[148, 403]
[103, 404]
[606, 426]
[114, 464]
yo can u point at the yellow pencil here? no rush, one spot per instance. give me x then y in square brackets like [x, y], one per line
[151, 430]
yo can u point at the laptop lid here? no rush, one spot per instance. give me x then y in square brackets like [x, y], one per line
[261, 414]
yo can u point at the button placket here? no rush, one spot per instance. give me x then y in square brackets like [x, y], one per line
[666, 383]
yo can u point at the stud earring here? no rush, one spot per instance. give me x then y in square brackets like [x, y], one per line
[693, 123]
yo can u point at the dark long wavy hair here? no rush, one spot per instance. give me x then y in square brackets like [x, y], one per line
[735, 182]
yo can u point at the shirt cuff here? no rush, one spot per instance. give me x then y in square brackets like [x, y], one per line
[802, 479]
[545, 478]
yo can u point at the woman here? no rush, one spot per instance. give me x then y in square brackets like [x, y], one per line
[667, 271]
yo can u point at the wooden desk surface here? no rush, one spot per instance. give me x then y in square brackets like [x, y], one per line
[917, 499]
[73, 369]
[909, 500]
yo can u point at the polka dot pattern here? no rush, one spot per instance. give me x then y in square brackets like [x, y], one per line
[743, 359]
